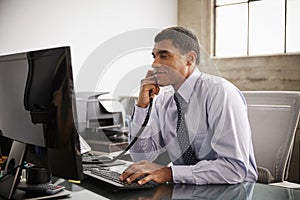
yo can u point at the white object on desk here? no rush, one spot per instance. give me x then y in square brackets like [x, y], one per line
[64, 193]
[286, 184]
[120, 168]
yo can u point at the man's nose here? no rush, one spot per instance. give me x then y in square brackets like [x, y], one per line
[155, 64]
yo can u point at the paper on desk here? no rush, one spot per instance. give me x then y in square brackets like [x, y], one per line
[63, 193]
[120, 168]
[286, 184]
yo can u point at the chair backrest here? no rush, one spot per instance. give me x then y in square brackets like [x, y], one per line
[273, 116]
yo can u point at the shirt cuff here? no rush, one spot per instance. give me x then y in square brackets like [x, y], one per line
[182, 174]
[139, 115]
[137, 121]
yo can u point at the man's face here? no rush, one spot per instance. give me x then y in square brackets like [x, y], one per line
[169, 65]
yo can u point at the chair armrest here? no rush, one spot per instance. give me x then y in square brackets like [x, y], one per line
[264, 175]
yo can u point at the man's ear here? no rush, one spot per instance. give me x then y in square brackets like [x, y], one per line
[191, 58]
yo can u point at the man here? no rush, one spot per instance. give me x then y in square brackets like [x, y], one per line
[211, 111]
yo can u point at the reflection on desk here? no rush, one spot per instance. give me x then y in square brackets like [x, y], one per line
[237, 191]
[90, 189]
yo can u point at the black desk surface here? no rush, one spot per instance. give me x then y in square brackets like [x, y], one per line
[90, 189]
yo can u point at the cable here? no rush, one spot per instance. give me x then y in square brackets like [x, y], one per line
[136, 137]
[10, 171]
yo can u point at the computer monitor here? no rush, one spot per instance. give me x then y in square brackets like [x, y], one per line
[38, 111]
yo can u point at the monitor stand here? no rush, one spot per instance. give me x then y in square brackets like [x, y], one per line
[15, 159]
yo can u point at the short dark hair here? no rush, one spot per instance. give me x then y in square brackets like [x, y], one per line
[183, 39]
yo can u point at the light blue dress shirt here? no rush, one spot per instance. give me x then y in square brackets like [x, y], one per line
[219, 132]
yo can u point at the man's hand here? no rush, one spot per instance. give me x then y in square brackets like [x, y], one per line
[148, 88]
[147, 171]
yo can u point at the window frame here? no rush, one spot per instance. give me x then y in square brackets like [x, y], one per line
[214, 45]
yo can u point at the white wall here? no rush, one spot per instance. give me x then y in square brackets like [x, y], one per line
[82, 24]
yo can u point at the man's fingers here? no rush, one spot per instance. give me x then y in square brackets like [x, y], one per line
[146, 179]
[149, 80]
[149, 73]
[129, 176]
[146, 171]
[134, 177]
[124, 176]
[133, 172]
[127, 172]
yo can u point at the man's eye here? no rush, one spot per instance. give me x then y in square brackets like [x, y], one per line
[163, 56]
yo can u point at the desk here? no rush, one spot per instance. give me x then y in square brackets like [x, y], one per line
[92, 189]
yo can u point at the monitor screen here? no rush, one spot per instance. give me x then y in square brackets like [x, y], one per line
[14, 118]
[37, 108]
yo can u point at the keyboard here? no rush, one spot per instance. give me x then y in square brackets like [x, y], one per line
[112, 178]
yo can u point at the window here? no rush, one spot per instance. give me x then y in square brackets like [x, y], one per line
[256, 27]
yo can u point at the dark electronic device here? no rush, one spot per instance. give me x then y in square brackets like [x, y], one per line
[37, 111]
[113, 178]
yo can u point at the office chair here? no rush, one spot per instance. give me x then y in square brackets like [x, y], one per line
[273, 117]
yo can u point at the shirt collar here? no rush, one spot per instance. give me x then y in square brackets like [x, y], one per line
[187, 88]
